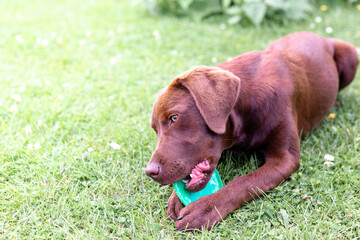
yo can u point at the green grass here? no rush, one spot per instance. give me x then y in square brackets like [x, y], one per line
[90, 71]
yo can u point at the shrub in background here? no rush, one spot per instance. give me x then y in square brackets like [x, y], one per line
[254, 11]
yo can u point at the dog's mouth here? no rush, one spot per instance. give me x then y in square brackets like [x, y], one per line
[199, 177]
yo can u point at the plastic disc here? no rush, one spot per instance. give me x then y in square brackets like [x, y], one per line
[187, 197]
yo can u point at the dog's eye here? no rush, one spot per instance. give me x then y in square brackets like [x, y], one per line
[173, 118]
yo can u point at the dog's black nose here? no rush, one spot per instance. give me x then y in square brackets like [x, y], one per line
[152, 170]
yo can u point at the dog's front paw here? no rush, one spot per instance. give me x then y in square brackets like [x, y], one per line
[201, 214]
[174, 206]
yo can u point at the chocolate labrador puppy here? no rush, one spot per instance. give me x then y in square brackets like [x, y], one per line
[258, 101]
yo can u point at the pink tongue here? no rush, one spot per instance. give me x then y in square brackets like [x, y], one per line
[197, 174]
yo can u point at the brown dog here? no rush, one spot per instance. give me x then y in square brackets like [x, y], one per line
[258, 101]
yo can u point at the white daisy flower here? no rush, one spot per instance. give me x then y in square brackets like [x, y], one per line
[38, 40]
[45, 42]
[112, 61]
[59, 40]
[28, 129]
[19, 39]
[156, 34]
[82, 42]
[329, 30]
[329, 157]
[16, 97]
[22, 89]
[37, 146]
[111, 33]
[115, 146]
[13, 109]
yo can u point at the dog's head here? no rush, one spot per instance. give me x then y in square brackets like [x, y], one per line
[190, 118]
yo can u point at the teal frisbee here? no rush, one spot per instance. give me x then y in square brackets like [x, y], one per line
[187, 197]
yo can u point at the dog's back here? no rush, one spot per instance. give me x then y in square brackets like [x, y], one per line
[317, 48]
[307, 68]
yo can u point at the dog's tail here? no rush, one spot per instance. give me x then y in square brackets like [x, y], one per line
[346, 58]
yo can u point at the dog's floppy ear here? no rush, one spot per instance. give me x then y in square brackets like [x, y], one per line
[215, 92]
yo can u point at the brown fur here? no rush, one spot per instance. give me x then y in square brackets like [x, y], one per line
[258, 101]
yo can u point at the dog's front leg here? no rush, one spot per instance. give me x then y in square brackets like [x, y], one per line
[211, 209]
[174, 206]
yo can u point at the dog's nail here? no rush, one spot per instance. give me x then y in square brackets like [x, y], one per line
[179, 218]
[179, 228]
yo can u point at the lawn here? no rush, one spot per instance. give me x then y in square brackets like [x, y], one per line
[77, 84]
